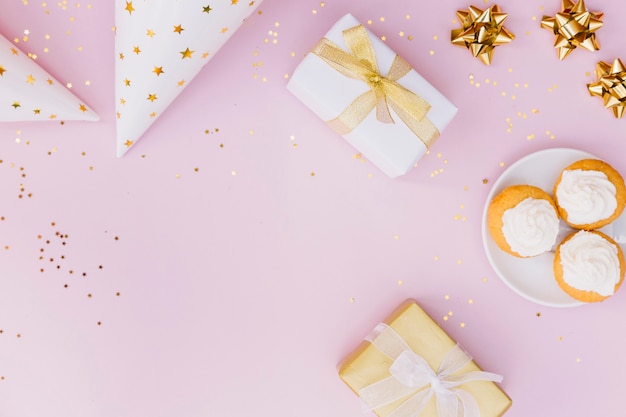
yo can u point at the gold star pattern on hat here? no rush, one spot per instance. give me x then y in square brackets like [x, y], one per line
[574, 26]
[159, 44]
[611, 86]
[481, 31]
[25, 86]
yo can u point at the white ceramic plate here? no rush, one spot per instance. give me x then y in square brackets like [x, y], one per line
[533, 278]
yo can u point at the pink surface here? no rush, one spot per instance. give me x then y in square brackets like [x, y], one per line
[229, 261]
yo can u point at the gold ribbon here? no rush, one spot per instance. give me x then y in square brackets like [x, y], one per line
[384, 94]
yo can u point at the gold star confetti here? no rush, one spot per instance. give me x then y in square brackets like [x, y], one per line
[186, 53]
[206, 9]
[127, 82]
[136, 50]
[150, 33]
[611, 86]
[2, 70]
[158, 71]
[128, 143]
[16, 104]
[574, 26]
[482, 31]
[181, 83]
[82, 108]
[30, 79]
[152, 97]
[129, 7]
[178, 29]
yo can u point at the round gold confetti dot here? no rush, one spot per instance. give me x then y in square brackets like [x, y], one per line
[462, 324]
[312, 174]
[446, 297]
[352, 299]
[538, 314]
[400, 282]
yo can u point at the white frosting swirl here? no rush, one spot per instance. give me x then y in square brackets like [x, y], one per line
[531, 227]
[586, 195]
[590, 263]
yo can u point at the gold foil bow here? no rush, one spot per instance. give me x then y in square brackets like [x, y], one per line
[482, 31]
[574, 26]
[611, 86]
[384, 94]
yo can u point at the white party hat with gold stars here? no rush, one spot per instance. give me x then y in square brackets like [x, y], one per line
[160, 46]
[29, 93]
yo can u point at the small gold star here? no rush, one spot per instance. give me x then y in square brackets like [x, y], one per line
[234, 2]
[49, 81]
[127, 82]
[205, 55]
[136, 50]
[30, 79]
[82, 108]
[2, 70]
[122, 101]
[186, 53]
[224, 30]
[158, 71]
[53, 116]
[206, 9]
[251, 4]
[178, 29]
[37, 111]
[16, 104]
[128, 143]
[14, 51]
[152, 97]
[153, 114]
[181, 83]
[150, 33]
[121, 56]
[129, 7]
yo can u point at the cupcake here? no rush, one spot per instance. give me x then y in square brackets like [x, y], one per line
[589, 194]
[523, 220]
[589, 266]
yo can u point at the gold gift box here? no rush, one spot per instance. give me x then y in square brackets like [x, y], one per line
[367, 365]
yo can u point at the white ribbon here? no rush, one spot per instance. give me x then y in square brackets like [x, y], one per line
[412, 376]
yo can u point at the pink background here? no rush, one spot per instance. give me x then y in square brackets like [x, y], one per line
[227, 273]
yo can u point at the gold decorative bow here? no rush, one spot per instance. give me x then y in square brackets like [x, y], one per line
[482, 31]
[384, 94]
[611, 86]
[574, 26]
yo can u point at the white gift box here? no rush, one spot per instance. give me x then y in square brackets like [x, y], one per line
[392, 147]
